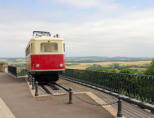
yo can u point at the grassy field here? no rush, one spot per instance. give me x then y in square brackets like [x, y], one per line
[85, 65]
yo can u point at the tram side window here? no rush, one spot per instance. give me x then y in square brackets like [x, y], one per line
[64, 46]
[32, 48]
[28, 50]
[49, 47]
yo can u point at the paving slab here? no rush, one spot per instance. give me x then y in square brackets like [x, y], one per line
[5, 111]
[18, 98]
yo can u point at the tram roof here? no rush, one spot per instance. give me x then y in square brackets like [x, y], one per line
[46, 38]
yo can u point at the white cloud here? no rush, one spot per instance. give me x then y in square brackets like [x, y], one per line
[80, 3]
[103, 5]
[127, 35]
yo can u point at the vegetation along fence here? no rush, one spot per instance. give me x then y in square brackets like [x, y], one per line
[134, 86]
[21, 70]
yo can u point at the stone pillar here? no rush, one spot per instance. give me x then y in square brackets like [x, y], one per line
[6, 68]
[3, 67]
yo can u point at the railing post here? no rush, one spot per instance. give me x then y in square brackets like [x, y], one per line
[36, 88]
[119, 113]
[28, 77]
[33, 83]
[152, 111]
[70, 96]
[30, 80]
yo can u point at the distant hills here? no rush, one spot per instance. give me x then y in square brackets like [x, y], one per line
[12, 59]
[104, 59]
[87, 59]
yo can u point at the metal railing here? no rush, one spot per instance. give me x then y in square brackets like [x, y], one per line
[133, 86]
[12, 70]
[17, 70]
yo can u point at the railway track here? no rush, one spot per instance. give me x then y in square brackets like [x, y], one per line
[45, 89]
[54, 89]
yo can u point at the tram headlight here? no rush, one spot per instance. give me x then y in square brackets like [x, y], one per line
[37, 65]
[61, 65]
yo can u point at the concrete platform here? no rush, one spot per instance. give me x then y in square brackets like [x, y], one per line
[19, 100]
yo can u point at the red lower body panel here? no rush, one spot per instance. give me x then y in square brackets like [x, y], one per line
[47, 62]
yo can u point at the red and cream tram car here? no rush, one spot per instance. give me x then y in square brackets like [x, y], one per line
[45, 56]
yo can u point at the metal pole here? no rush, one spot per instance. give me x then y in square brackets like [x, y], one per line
[119, 113]
[30, 80]
[36, 88]
[28, 76]
[152, 111]
[33, 83]
[70, 96]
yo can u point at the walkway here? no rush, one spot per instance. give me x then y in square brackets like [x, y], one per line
[18, 98]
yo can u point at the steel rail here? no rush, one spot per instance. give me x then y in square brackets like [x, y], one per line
[66, 89]
[45, 89]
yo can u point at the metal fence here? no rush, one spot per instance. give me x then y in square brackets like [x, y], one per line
[134, 86]
[12, 70]
[17, 70]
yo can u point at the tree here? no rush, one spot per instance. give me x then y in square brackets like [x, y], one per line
[127, 71]
[108, 70]
[150, 69]
[116, 66]
[94, 67]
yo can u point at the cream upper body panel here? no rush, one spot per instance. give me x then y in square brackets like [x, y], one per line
[34, 46]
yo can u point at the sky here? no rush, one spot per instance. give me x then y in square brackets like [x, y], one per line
[89, 27]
